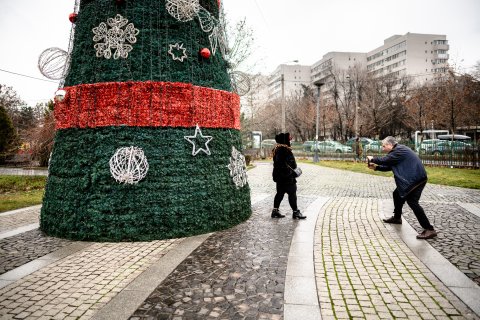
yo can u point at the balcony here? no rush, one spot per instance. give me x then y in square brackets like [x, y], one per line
[440, 56]
[441, 47]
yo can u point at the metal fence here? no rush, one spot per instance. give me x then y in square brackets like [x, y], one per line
[455, 158]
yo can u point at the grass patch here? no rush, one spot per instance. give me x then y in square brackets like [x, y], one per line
[455, 177]
[19, 200]
[20, 191]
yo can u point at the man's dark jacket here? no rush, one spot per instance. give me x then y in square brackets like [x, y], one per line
[407, 168]
[282, 158]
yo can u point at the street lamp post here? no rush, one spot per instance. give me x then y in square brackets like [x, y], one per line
[318, 84]
[282, 80]
[356, 112]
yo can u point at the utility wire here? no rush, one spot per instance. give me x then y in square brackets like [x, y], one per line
[24, 75]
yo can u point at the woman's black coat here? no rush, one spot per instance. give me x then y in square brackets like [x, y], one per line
[282, 158]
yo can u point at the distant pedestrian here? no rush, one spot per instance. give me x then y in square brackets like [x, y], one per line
[283, 174]
[410, 178]
[358, 149]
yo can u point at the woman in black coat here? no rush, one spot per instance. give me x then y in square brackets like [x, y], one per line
[283, 175]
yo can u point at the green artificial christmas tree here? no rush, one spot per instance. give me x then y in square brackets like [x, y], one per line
[148, 128]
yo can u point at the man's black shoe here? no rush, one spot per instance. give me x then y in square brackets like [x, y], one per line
[393, 220]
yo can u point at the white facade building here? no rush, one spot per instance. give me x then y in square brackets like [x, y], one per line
[419, 56]
[288, 79]
[321, 70]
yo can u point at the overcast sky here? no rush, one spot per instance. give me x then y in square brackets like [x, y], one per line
[301, 30]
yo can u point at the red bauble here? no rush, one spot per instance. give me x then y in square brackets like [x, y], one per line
[205, 53]
[72, 17]
[219, 3]
[119, 1]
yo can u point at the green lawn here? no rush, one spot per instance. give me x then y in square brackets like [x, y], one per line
[20, 191]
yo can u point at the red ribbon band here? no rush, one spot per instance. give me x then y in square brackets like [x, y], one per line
[147, 104]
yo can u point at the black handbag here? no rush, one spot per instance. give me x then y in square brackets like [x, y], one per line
[297, 171]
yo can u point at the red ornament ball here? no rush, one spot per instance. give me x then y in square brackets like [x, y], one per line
[205, 53]
[72, 17]
[119, 1]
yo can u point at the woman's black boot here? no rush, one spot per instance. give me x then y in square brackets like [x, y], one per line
[277, 214]
[298, 215]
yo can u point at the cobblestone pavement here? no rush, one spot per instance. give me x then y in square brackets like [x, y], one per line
[17, 250]
[235, 274]
[362, 269]
[75, 287]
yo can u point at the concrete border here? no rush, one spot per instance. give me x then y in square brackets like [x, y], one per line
[301, 294]
[124, 304]
[21, 210]
[19, 230]
[464, 288]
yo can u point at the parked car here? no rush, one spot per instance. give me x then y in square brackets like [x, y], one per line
[307, 145]
[331, 146]
[439, 147]
[373, 147]
[427, 146]
[350, 142]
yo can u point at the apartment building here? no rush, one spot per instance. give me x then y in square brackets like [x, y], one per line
[419, 56]
[322, 69]
[288, 79]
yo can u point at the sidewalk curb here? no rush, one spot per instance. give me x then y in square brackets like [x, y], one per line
[301, 293]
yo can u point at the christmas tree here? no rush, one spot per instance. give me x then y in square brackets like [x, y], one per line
[148, 128]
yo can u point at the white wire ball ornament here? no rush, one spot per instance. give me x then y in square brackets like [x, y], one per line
[128, 165]
[51, 63]
[240, 82]
[183, 10]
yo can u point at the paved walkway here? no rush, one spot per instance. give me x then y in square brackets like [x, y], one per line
[342, 262]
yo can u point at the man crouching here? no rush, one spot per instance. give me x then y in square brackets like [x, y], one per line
[410, 179]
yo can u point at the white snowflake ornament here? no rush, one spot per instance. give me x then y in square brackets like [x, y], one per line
[183, 10]
[238, 168]
[128, 165]
[114, 38]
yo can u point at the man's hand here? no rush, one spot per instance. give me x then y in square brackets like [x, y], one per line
[370, 165]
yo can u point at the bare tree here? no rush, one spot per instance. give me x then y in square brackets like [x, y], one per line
[301, 112]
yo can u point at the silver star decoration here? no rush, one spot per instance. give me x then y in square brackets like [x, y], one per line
[193, 139]
[179, 48]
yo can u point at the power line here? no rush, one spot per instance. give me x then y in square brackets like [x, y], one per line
[24, 75]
